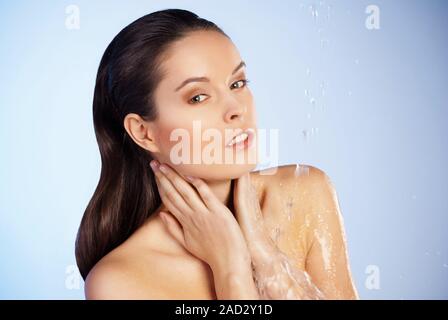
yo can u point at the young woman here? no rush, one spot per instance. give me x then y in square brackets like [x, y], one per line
[159, 228]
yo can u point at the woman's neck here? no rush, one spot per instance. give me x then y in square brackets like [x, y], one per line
[223, 190]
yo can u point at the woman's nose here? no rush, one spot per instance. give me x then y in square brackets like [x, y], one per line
[235, 111]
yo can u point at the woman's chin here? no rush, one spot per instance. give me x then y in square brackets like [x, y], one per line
[215, 171]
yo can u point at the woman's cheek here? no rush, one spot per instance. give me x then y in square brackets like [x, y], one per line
[174, 141]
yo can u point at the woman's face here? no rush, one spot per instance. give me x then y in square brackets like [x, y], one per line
[196, 119]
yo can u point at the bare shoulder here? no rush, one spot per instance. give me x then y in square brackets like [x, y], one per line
[295, 197]
[115, 276]
[294, 178]
[136, 271]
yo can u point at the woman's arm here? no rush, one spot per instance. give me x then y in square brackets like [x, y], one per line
[327, 260]
[235, 283]
[275, 275]
[327, 274]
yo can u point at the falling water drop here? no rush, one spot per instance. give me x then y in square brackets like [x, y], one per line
[322, 88]
[305, 134]
[314, 12]
[308, 72]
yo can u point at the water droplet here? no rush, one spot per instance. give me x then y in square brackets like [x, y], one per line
[301, 170]
[276, 234]
[314, 12]
[307, 93]
[322, 88]
[313, 101]
[328, 12]
[308, 115]
[305, 134]
[308, 72]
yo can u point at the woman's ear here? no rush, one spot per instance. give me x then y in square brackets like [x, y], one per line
[141, 131]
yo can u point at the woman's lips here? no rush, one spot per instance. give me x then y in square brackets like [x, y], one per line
[244, 139]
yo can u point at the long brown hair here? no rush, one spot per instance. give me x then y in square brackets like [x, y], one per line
[127, 76]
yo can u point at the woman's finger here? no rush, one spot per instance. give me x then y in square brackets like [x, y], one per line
[204, 191]
[187, 192]
[169, 205]
[171, 197]
[173, 226]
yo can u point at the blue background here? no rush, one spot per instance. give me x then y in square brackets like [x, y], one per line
[380, 119]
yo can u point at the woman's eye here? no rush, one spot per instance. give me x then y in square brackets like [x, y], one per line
[243, 81]
[236, 85]
[196, 100]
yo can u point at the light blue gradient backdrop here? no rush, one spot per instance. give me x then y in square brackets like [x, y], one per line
[381, 127]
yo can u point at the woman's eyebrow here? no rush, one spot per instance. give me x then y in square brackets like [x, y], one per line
[205, 79]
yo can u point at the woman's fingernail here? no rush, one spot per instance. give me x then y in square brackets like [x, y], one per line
[163, 168]
[190, 178]
[153, 164]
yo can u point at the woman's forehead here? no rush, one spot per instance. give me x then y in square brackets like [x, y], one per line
[201, 54]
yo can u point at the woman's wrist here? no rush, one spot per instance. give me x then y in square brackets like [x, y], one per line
[262, 249]
[235, 284]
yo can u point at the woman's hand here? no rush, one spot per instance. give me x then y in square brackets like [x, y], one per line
[207, 227]
[250, 218]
